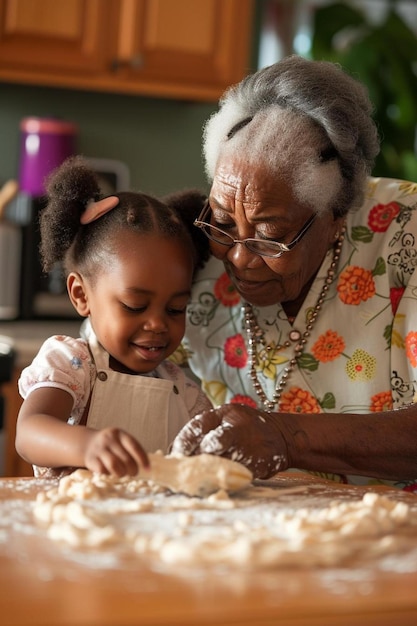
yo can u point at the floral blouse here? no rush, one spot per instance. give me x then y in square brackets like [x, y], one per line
[361, 355]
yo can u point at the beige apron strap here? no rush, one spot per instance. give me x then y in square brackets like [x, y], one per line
[83, 420]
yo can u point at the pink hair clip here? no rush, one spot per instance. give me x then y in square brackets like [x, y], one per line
[94, 210]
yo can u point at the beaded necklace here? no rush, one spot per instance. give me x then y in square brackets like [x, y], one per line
[255, 335]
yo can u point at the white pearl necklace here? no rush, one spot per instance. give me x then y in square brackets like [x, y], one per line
[255, 334]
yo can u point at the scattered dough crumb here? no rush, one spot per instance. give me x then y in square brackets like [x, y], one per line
[89, 511]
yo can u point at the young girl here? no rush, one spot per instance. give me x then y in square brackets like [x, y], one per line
[102, 401]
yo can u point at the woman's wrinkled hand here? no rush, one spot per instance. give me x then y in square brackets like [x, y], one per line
[114, 451]
[240, 433]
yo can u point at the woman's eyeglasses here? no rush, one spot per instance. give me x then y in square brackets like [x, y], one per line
[273, 249]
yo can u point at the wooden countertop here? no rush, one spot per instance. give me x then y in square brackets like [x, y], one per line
[27, 336]
[39, 587]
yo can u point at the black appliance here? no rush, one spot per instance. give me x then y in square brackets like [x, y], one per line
[44, 296]
[41, 296]
[7, 360]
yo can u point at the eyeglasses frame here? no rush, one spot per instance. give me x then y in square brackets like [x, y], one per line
[284, 247]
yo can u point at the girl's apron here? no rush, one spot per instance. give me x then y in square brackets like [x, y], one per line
[150, 409]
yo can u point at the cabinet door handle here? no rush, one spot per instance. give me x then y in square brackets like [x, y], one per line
[134, 63]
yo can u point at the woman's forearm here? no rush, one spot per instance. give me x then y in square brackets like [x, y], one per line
[383, 445]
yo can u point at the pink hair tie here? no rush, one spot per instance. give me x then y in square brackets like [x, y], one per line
[94, 210]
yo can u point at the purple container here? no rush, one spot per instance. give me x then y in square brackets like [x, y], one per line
[44, 144]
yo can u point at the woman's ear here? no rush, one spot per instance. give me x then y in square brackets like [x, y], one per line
[77, 293]
[339, 223]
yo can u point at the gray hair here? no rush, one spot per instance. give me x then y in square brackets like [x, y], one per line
[307, 120]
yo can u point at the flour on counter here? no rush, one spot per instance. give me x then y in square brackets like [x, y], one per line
[257, 528]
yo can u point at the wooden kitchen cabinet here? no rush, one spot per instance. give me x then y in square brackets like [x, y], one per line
[186, 49]
[26, 337]
[14, 465]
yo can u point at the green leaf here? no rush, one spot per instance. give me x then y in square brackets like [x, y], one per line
[362, 233]
[329, 20]
[397, 32]
[308, 362]
[380, 267]
[328, 401]
[387, 334]
[409, 165]
[383, 55]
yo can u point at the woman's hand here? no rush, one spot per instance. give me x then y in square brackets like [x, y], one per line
[114, 451]
[240, 433]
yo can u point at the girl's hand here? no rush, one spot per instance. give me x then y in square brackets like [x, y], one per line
[240, 433]
[114, 451]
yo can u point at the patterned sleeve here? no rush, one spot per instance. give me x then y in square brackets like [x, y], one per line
[64, 363]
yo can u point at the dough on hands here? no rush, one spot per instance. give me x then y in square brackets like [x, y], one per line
[198, 475]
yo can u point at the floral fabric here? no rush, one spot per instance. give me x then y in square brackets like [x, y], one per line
[361, 355]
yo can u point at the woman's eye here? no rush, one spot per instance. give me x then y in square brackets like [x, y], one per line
[269, 238]
[231, 228]
[224, 225]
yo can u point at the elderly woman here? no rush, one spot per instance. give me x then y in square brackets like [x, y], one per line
[303, 323]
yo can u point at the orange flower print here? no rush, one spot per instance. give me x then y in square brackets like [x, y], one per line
[241, 399]
[381, 402]
[361, 366]
[235, 353]
[381, 216]
[411, 348]
[355, 285]
[298, 400]
[225, 291]
[328, 346]
[395, 294]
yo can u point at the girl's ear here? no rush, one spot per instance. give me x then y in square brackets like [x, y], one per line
[77, 293]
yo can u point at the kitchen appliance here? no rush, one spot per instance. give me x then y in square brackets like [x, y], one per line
[10, 264]
[44, 144]
[7, 362]
[10, 254]
[44, 296]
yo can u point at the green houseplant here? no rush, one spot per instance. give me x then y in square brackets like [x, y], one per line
[384, 56]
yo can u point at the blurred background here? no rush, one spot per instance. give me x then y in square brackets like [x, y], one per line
[130, 83]
[376, 41]
[142, 116]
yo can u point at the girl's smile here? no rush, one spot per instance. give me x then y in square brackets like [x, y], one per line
[137, 303]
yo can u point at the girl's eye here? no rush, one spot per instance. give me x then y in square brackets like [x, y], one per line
[131, 309]
[176, 311]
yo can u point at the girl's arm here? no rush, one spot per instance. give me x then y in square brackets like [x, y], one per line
[44, 438]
